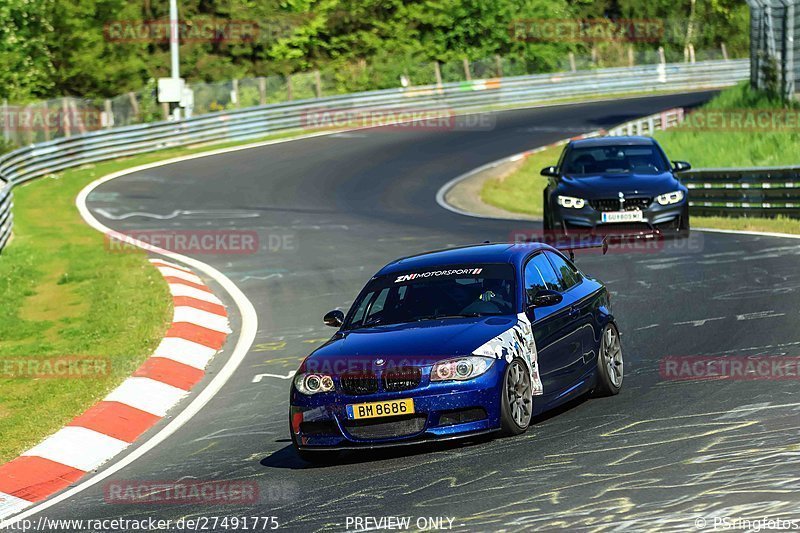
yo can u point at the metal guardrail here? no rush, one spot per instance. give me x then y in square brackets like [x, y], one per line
[764, 191]
[6, 216]
[752, 191]
[650, 124]
[44, 158]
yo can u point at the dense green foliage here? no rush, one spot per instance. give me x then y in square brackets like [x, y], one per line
[51, 48]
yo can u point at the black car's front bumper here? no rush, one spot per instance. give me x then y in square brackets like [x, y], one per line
[656, 220]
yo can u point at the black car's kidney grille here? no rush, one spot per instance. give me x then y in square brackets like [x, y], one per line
[612, 204]
[401, 379]
[359, 383]
[396, 426]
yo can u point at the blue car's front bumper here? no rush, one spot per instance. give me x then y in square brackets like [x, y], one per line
[441, 410]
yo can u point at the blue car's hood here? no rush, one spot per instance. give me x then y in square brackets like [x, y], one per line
[609, 185]
[419, 342]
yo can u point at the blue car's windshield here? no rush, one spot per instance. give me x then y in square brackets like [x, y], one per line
[435, 293]
[618, 159]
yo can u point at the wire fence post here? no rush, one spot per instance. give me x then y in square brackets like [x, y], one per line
[572, 66]
[65, 118]
[438, 71]
[134, 105]
[6, 125]
[318, 83]
[46, 125]
[109, 114]
[262, 91]
[498, 64]
[289, 87]
[467, 73]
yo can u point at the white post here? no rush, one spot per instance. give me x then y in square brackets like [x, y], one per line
[174, 51]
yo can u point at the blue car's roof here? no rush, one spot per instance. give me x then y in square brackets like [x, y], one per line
[613, 141]
[480, 253]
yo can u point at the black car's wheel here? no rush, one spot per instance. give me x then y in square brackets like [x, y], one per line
[516, 404]
[609, 363]
[683, 229]
[547, 222]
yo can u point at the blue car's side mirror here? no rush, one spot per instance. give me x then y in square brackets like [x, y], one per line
[681, 166]
[549, 171]
[545, 298]
[334, 318]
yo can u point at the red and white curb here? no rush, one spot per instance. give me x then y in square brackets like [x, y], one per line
[198, 331]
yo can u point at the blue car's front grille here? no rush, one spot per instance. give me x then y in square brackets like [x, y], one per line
[401, 379]
[383, 428]
[355, 384]
[613, 204]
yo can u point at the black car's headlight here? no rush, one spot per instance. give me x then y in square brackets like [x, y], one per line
[313, 383]
[670, 198]
[570, 202]
[460, 369]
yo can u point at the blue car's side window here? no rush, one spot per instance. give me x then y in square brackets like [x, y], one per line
[539, 275]
[568, 275]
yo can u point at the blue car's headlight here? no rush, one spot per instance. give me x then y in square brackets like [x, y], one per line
[461, 368]
[571, 202]
[313, 383]
[670, 198]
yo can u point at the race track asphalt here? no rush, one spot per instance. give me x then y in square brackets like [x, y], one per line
[334, 209]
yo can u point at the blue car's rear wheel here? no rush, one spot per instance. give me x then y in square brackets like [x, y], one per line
[517, 399]
[609, 363]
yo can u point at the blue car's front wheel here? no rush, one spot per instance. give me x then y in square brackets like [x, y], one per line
[517, 398]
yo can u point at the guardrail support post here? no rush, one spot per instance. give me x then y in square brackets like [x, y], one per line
[165, 110]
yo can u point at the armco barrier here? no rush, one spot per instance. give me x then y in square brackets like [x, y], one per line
[6, 216]
[752, 191]
[44, 158]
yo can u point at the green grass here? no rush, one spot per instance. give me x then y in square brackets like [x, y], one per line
[64, 295]
[711, 146]
[521, 191]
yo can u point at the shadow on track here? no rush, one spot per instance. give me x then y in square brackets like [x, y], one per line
[287, 458]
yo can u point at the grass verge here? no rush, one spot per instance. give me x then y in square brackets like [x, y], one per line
[65, 296]
[521, 190]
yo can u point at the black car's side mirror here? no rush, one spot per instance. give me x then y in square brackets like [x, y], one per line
[334, 318]
[545, 298]
[549, 171]
[681, 166]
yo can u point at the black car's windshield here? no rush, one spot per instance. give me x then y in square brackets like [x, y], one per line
[435, 293]
[617, 159]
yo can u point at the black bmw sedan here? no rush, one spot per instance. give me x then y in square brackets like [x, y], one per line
[617, 186]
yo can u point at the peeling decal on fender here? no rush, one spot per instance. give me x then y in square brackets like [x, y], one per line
[516, 341]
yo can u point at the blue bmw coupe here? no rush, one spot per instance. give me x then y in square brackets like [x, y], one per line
[456, 343]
